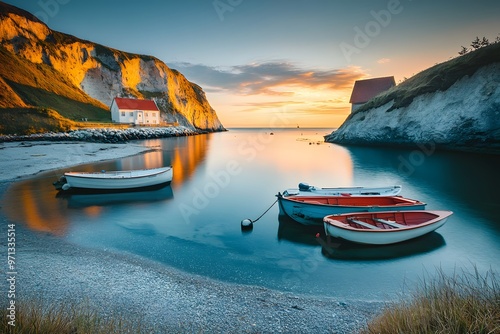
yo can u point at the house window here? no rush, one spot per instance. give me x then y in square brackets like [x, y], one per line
[154, 114]
[154, 121]
[131, 113]
[147, 121]
[123, 113]
[147, 115]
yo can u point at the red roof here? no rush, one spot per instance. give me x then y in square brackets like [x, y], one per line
[364, 90]
[135, 104]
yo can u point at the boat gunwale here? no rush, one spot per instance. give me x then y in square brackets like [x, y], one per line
[92, 175]
[357, 191]
[300, 200]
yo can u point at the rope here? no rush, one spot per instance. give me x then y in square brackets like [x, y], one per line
[265, 211]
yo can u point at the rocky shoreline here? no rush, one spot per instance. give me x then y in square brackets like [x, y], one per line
[107, 135]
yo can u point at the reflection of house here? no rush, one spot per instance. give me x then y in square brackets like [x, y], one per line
[124, 110]
[364, 90]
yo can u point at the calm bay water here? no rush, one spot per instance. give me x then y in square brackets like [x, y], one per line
[222, 178]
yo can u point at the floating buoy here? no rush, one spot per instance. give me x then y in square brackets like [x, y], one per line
[246, 224]
[65, 186]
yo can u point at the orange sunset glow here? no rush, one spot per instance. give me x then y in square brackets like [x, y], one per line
[255, 59]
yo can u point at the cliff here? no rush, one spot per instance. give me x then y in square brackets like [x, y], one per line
[43, 68]
[454, 105]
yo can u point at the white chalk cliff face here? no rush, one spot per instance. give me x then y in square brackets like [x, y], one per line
[466, 116]
[104, 73]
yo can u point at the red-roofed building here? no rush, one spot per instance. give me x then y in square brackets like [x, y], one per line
[364, 90]
[135, 111]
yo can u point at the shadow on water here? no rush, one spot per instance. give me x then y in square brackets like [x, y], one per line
[335, 248]
[463, 177]
[83, 199]
[291, 231]
[339, 249]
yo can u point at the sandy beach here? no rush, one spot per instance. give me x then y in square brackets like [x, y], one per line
[124, 284]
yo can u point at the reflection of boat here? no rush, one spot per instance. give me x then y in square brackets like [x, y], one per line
[290, 230]
[305, 189]
[310, 210]
[382, 228]
[83, 200]
[340, 249]
[112, 180]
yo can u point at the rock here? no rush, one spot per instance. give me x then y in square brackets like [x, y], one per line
[106, 136]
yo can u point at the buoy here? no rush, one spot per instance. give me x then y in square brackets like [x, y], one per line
[65, 186]
[246, 224]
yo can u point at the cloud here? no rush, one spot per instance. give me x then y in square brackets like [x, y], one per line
[383, 61]
[279, 78]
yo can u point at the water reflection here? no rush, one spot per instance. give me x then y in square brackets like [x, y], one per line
[194, 224]
[26, 202]
[31, 202]
[96, 199]
[335, 248]
[291, 231]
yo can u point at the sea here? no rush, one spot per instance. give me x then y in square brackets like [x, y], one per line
[194, 224]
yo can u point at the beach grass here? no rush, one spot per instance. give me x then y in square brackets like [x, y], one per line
[36, 316]
[461, 303]
[465, 302]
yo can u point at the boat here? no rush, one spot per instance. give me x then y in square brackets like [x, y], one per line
[310, 210]
[383, 228]
[305, 189]
[115, 180]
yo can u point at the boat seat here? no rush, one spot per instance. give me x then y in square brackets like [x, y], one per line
[389, 222]
[359, 222]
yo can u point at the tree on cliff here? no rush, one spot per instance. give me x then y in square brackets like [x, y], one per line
[477, 44]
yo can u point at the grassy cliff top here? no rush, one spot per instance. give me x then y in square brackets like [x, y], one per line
[437, 78]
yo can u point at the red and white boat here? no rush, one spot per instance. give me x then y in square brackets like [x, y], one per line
[310, 210]
[382, 228]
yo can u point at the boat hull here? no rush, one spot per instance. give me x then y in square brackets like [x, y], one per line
[306, 190]
[335, 226]
[119, 180]
[313, 214]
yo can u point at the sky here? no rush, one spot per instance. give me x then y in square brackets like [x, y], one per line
[269, 63]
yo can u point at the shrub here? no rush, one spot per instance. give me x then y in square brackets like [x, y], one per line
[461, 303]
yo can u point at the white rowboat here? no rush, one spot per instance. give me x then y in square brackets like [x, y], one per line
[116, 180]
[382, 228]
[307, 190]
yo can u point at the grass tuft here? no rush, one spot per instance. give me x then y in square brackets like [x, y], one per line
[65, 318]
[462, 303]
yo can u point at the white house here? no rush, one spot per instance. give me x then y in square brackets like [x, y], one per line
[135, 111]
[364, 90]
